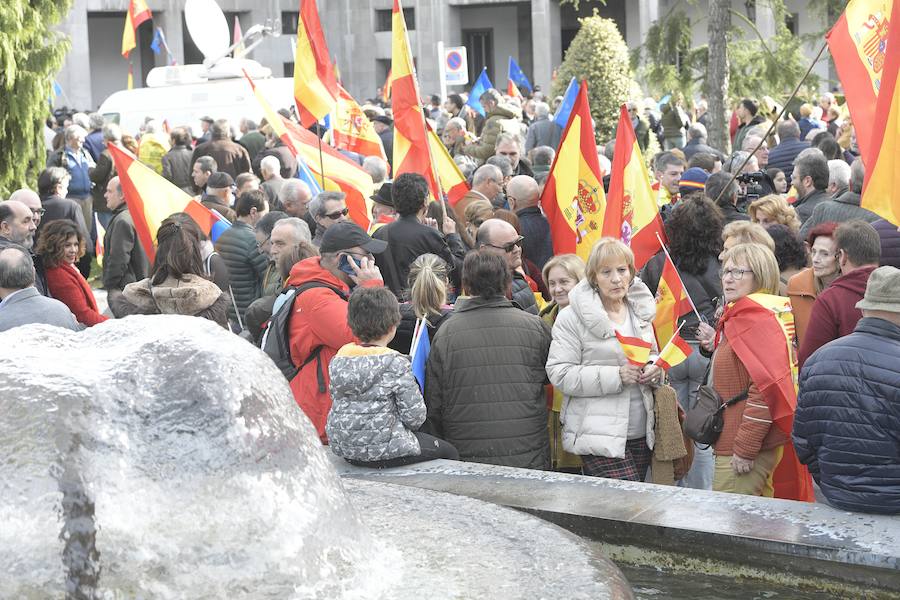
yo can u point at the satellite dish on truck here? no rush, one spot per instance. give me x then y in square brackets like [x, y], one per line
[207, 25]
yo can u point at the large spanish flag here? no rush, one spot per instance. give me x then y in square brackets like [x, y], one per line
[411, 150]
[352, 129]
[631, 210]
[315, 84]
[573, 197]
[340, 173]
[151, 198]
[672, 302]
[137, 13]
[452, 181]
[857, 43]
[881, 193]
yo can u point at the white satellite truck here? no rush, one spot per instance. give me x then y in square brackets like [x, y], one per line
[183, 94]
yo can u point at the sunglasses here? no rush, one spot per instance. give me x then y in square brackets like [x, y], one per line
[510, 246]
[338, 214]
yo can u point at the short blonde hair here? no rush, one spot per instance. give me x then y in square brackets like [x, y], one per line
[761, 261]
[776, 207]
[806, 109]
[604, 252]
[571, 263]
[748, 233]
[478, 212]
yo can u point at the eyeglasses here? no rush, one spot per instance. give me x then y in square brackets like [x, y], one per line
[736, 274]
[38, 212]
[338, 214]
[259, 245]
[510, 246]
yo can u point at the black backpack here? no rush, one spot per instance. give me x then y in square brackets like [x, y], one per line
[276, 338]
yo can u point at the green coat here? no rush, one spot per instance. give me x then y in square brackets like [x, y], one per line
[483, 149]
[246, 265]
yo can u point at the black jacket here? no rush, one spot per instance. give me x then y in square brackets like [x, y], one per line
[246, 265]
[704, 289]
[124, 260]
[177, 167]
[730, 213]
[484, 384]
[782, 156]
[808, 203]
[408, 239]
[285, 157]
[890, 242]
[847, 424]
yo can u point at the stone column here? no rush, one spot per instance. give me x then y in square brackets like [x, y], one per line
[546, 40]
[75, 75]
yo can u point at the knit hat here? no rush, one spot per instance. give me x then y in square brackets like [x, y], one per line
[882, 291]
[692, 180]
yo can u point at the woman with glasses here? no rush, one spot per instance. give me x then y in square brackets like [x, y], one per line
[804, 287]
[752, 364]
[607, 410]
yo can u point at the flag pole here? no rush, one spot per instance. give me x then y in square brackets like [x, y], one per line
[683, 287]
[321, 159]
[773, 124]
[669, 343]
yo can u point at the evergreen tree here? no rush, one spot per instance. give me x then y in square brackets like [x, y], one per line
[598, 54]
[30, 55]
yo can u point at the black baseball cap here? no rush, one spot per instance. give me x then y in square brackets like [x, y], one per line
[383, 196]
[219, 181]
[346, 235]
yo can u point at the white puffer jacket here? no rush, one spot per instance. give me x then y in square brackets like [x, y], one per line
[583, 364]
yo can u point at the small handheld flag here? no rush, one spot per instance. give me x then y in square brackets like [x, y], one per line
[675, 352]
[419, 352]
[482, 84]
[636, 350]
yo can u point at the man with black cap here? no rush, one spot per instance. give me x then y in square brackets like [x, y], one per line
[219, 195]
[318, 326]
[385, 130]
[383, 211]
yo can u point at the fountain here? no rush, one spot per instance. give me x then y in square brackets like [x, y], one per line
[160, 456]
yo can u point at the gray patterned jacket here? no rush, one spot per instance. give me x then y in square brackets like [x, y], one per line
[376, 404]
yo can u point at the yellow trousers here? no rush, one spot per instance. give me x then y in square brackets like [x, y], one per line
[758, 482]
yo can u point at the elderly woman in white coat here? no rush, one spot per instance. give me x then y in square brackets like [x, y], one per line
[607, 412]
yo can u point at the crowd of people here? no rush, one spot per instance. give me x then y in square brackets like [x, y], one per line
[525, 367]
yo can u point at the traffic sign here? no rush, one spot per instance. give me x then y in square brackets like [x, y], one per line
[456, 68]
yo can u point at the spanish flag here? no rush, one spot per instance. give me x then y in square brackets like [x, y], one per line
[411, 150]
[881, 193]
[316, 88]
[857, 43]
[452, 181]
[672, 302]
[636, 350]
[151, 198]
[674, 353]
[386, 90]
[137, 13]
[573, 197]
[340, 174]
[351, 128]
[632, 214]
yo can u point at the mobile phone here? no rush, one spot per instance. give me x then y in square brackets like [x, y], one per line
[345, 266]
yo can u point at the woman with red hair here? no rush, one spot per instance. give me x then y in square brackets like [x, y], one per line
[805, 286]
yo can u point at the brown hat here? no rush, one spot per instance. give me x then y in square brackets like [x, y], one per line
[882, 291]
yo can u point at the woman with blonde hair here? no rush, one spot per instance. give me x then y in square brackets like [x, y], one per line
[745, 232]
[607, 410]
[428, 283]
[561, 274]
[773, 209]
[752, 368]
[476, 213]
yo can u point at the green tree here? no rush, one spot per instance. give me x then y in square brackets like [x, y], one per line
[30, 54]
[599, 55]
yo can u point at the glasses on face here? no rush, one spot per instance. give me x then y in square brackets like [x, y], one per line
[338, 214]
[259, 245]
[38, 212]
[510, 246]
[736, 274]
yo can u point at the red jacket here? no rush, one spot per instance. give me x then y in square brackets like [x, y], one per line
[834, 313]
[68, 286]
[319, 319]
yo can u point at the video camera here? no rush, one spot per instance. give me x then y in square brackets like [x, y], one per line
[752, 187]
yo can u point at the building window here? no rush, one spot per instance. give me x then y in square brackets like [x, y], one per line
[384, 19]
[289, 21]
[288, 69]
[790, 21]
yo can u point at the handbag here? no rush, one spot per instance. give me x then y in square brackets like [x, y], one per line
[704, 421]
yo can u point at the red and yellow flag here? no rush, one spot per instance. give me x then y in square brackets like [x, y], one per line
[411, 150]
[151, 198]
[573, 197]
[881, 193]
[672, 302]
[341, 174]
[386, 89]
[315, 84]
[352, 129]
[512, 89]
[137, 13]
[632, 214]
[636, 350]
[858, 43]
[674, 353]
[452, 181]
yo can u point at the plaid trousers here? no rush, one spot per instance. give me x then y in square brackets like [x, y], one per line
[633, 467]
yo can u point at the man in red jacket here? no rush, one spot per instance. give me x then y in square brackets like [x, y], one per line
[318, 326]
[834, 313]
